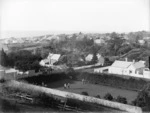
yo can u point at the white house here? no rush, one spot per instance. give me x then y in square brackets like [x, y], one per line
[89, 57]
[50, 60]
[146, 73]
[119, 67]
[135, 69]
[44, 62]
[141, 42]
[53, 58]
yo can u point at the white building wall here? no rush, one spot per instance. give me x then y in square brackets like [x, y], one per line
[2, 73]
[115, 70]
[42, 63]
[146, 74]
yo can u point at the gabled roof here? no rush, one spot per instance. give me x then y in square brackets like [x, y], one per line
[55, 57]
[121, 64]
[89, 57]
[138, 65]
[45, 60]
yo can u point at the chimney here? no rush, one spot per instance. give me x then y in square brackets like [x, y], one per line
[126, 59]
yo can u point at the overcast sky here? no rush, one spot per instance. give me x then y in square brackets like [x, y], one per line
[74, 16]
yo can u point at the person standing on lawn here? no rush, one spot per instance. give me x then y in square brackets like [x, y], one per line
[68, 85]
[65, 86]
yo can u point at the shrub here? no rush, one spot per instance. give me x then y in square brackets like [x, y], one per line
[121, 99]
[108, 96]
[2, 80]
[47, 100]
[84, 93]
[97, 96]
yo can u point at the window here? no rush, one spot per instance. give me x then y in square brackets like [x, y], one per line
[130, 71]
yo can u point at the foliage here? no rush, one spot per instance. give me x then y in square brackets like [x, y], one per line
[142, 99]
[115, 43]
[113, 80]
[3, 58]
[2, 80]
[47, 100]
[47, 78]
[24, 60]
[121, 99]
[84, 93]
[98, 96]
[108, 96]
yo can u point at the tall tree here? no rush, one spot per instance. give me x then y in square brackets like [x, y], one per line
[3, 58]
[115, 43]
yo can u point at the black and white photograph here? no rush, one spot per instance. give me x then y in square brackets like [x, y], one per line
[74, 56]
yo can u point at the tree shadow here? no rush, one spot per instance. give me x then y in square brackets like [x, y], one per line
[60, 83]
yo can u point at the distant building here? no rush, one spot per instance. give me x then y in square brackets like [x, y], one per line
[126, 68]
[146, 38]
[89, 57]
[44, 62]
[99, 41]
[135, 69]
[53, 58]
[146, 73]
[100, 59]
[50, 60]
[141, 42]
[6, 73]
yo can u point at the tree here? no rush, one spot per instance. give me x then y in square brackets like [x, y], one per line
[98, 96]
[84, 93]
[142, 99]
[94, 59]
[115, 43]
[121, 99]
[3, 58]
[24, 60]
[108, 96]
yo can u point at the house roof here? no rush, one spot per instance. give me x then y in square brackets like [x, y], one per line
[89, 57]
[45, 60]
[121, 64]
[138, 65]
[124, 64]
[53, 56]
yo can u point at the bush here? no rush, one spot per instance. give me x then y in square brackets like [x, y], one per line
[108, 96]
[97, 96]
[2, 80]
[84, 93]
[121, 99]
[47, 100]
[112, 80]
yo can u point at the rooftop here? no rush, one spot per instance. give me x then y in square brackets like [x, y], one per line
[121, 64]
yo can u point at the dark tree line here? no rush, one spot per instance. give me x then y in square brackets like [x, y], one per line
[22, 60]
[3, 58]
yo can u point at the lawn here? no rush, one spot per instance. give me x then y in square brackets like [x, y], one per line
[93, 90]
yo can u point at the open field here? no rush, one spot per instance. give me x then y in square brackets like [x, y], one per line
[93, 90]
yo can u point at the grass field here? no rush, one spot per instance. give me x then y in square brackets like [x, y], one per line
[93, 90]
